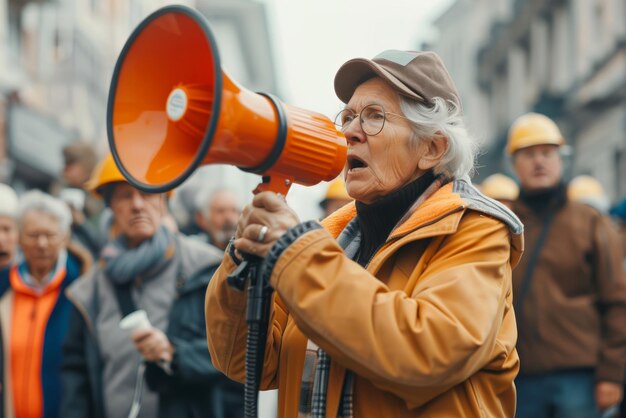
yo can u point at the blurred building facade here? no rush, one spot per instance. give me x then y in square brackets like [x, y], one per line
[563, 58]
[56, 62]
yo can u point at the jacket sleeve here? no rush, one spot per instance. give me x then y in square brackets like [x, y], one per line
[77, 391]
[609, 277]
[415, 346]
[225, 312]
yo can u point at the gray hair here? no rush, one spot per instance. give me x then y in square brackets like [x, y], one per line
[9, 200]
[205, 197]
[443, 118]
[42, 202]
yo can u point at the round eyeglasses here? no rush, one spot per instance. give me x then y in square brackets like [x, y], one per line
[372, 119]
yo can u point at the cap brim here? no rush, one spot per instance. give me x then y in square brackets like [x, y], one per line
[357, 71]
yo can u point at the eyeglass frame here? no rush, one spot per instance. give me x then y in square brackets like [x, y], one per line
[359, 114]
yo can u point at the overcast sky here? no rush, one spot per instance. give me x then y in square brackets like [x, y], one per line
[313, 38]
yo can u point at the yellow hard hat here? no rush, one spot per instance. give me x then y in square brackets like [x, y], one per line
[106, 172]
[500, 187]
[533, 129]
[336, 190]
[584, 187]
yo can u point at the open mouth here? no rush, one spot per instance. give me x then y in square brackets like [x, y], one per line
[355, 163]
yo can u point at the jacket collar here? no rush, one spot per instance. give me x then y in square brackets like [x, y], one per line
[430, 215]
[440, 214]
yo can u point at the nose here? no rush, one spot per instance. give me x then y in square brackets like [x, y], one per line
[137, 200]
[354, 132]
[42, 240]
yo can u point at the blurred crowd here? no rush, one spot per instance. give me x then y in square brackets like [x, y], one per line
[78, 264]
[102, 298]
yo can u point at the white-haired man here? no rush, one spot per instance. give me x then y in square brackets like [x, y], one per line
[217, 213]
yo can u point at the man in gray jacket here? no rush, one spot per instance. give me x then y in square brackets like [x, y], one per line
[143, 266]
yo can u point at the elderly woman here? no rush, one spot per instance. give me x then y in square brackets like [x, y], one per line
[34, 310]
[398, 305]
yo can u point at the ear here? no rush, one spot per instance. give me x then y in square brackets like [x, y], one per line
[433, 150]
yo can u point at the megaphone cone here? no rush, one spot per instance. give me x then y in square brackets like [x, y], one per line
[172, 108]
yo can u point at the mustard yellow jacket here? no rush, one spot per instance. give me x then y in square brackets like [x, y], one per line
[433, 337]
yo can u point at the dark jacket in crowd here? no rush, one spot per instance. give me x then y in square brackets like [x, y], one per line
[571, 308]
[194, 389]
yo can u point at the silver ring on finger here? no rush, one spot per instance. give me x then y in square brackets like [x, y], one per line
[262, 233]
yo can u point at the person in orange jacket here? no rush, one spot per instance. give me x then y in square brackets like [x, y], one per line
[400, 304]
[34, 310]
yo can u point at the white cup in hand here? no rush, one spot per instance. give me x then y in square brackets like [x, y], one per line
[135, 321]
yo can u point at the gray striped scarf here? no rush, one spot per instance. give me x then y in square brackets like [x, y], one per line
[314, 386]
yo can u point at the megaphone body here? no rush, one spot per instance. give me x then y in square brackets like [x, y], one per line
[172, 108]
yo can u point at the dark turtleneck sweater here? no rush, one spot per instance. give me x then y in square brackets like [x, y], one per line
[544, 201]
[377, 219]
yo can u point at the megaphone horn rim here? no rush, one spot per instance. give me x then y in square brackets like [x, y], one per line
[218, 86]
[281, 137]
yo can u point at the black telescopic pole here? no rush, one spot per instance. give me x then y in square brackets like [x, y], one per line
[257, 318]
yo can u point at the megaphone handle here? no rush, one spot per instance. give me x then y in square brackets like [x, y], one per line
[274, 183]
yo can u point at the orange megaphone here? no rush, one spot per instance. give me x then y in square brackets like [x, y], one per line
[171, 108]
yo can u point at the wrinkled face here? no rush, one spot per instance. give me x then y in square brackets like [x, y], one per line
[8, 240]
[538, 167]
[220, 218]
[137, 214]
[41, 240]
[377, 165]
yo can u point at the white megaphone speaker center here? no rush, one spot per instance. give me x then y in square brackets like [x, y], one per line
[176, 104]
